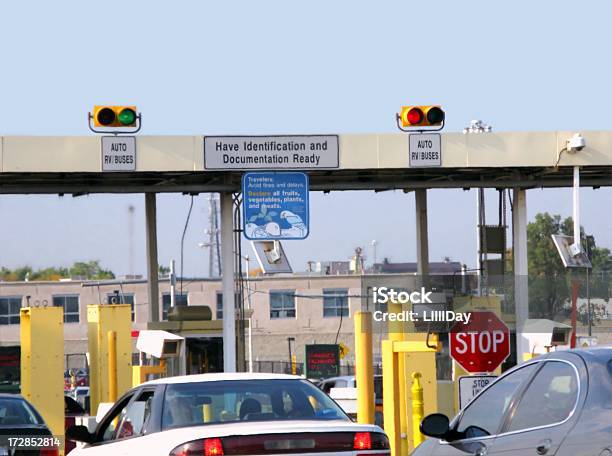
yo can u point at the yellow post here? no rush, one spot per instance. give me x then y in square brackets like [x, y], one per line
[207, 413]
[391, 396]
[364, 370]
[397, 333]
[417, 409]
[112, 366]
[140, 373]
[293, 364]
[42, 363]
[101, 319]
[422, 358]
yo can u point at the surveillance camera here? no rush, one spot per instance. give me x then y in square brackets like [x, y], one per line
[576, 143]
[160, 344]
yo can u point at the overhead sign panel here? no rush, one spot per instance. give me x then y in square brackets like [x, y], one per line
[275, 205]
[424, 150]
[118, 153]
[271, 152]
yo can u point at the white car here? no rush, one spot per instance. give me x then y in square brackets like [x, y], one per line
[228, 414]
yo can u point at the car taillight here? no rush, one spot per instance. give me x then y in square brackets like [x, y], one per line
[204, 447]
[362, 441]
[51, 451]
[371, 441]
[213, 447]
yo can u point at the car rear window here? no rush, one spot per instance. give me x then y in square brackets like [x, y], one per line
[191, 404]
[17, 412]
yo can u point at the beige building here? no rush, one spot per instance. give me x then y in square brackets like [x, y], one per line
[310, 308]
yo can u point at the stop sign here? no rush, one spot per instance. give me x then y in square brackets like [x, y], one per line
[482, 344]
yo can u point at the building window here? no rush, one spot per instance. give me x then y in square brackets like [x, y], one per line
[70, 303]
[9, 310]
[282, 304]
[219, 303]
[335, 302]
[121, 298]
[181, 300]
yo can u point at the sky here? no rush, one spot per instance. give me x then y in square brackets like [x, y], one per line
[278, 67]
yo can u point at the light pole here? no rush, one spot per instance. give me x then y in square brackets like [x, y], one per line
[373, 243]
[478, 127]
[250, 308]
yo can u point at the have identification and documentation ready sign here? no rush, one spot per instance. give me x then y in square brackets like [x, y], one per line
[275, 205]
[271, 152]
[471, 385]
[425, 150]
[118, 153]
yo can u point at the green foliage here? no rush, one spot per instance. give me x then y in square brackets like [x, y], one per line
[549, 281]
[90, 270]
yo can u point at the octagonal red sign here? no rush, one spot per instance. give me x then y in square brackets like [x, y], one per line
[480, 345]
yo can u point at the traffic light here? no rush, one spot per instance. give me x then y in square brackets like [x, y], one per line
[114, 116]
[421, 116]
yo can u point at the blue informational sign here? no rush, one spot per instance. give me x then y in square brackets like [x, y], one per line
[275, 205]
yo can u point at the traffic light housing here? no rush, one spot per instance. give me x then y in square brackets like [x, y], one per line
[115, 116]
[421, 116]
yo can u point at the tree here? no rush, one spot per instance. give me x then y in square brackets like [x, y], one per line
[549, 281]
[90, 270]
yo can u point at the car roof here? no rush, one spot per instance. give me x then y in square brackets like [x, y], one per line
[597, 354]
[222, 377]
[11, 396]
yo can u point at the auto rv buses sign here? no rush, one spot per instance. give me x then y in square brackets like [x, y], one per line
[271, 152]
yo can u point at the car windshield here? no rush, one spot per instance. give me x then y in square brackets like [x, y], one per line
[17, 412]
[190, 404]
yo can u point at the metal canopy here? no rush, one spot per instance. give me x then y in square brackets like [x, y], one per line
[71, 165]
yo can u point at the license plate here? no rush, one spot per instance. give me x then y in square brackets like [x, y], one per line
[302, 444]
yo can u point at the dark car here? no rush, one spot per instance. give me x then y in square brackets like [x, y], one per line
[18, 418]
[72, 410]
[556, 404]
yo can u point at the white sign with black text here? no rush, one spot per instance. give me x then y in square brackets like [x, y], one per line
[118, 153]
[271, 152]
[425, 150]
[471, 385]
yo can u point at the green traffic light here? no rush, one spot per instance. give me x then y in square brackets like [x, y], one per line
[127, 117]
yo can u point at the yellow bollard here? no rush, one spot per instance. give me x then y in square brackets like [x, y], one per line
[364, 370]
[112, 366]
[391, 397]
[396, 333]
[293, 365]
[417, 408]
[207, 413]
[100, 320]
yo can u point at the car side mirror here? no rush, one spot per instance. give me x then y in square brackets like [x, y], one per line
[79, 434]
[435, 425]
